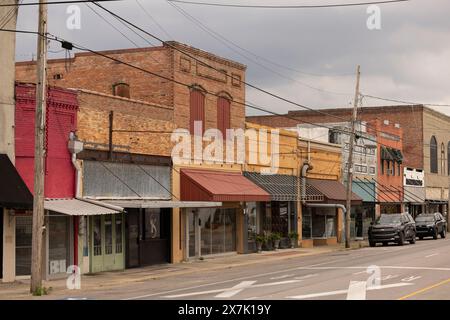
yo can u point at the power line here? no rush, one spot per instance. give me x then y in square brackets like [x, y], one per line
[252, 106]
[154, 20]
[407, 102]
[53, 2]
[228, 43]
[335, 5]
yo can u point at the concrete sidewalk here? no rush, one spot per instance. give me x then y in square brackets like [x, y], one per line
[20, 289]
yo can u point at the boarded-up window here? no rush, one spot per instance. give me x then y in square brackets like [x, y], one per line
[433, 155]
[223, 115]
[121, 90]
[197, 110]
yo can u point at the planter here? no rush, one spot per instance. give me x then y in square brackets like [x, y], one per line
[276, 244]
[293, 243]
[259, 247]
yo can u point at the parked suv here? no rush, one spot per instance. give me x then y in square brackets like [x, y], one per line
[430, 225]
[393, 227]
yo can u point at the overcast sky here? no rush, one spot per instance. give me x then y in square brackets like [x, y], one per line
[408, 59]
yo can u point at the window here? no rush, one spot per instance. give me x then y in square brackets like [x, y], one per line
[433, 155]
[382, 166]
[121, 90]
[372, 170]
[152, 224]
[223, 115]
[197, 110]
[442, 159]
[399, 169]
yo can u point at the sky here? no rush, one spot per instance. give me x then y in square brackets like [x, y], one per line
[308, 56]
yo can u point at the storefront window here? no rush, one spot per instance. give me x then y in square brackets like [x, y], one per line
[152, 224]
[119, 241]
[59, 244]
[323, 222]
[97, 226]
[108, 234]
[306, 223]
[23, 245]
[252, 230]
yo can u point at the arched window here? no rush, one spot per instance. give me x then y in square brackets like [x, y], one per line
[121, 89]
[433, 155]
[448, 158]
[442, 159]
[223, 115]
[197, 109]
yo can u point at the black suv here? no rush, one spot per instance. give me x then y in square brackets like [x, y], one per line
[393, 227]
[430, 225]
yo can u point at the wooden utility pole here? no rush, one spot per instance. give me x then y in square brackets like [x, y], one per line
[350, 162]
[39, 153]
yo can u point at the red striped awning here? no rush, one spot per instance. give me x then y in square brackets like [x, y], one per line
[207, 185]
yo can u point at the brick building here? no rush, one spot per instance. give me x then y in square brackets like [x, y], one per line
[425, 142]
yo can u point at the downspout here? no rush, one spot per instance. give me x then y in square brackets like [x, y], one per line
[75, 146]
[305, 168]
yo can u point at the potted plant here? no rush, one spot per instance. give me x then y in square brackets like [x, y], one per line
[276, 237]
[260, 240]
[293, 236]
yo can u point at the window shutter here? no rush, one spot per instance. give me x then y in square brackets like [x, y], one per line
[197, 109]
[223, 115]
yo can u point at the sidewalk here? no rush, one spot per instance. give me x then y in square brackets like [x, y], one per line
[20, 289]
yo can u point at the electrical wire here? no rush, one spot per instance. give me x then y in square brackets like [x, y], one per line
[335, 5]
[53, 2]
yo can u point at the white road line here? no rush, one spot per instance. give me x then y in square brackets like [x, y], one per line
[431, 255]
[332, 293]
[357, 290]
[235, 290]
[307, 276]
[377, 253]
[282, 277]
[229, 292]
[382, 267]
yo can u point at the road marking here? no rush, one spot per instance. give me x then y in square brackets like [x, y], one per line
[431, 255]
[307, 276]
[332, 293]
[411, 278]
[229, 292]
[282, 277]
[424, 289]
[355, 256]
[235, 290]
[357, 290]
[382, 267]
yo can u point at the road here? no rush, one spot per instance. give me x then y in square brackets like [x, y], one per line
[419, 271]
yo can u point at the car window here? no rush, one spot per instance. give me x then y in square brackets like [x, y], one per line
[425, 218]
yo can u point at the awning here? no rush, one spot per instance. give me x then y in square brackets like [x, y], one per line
[163, 204]
[206, 185]
[76, 207]
[14, 193]
[283, 187]
[391, 154]
[333, 191]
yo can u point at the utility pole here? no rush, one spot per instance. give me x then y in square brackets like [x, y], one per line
[39, 153]
[350, 162]
[448, 204]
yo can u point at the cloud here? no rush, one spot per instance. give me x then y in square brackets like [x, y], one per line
[407, 59]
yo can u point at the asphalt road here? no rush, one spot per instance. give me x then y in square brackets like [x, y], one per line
[419, 271]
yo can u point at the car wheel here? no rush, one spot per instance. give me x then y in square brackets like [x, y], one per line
[443, 233]
[401, 240]
[413, 239]
[385, 243]
[372, 244]
[420, 237]
[435, 234]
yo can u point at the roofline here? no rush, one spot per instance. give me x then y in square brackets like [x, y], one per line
[167, 45]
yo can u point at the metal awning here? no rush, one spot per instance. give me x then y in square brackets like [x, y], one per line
[77, 207]
[208, 185]
[163, 204]
[333, 191]
[282, 187]
[14, 193]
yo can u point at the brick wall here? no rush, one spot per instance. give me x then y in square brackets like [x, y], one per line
[410, 119]
[92, 72]
[129, 115]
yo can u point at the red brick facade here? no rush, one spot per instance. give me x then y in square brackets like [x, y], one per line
[410, 119]
[92, 72]
[61, 117]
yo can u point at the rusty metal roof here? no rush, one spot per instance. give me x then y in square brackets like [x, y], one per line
[333, 191]
[208, 185]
